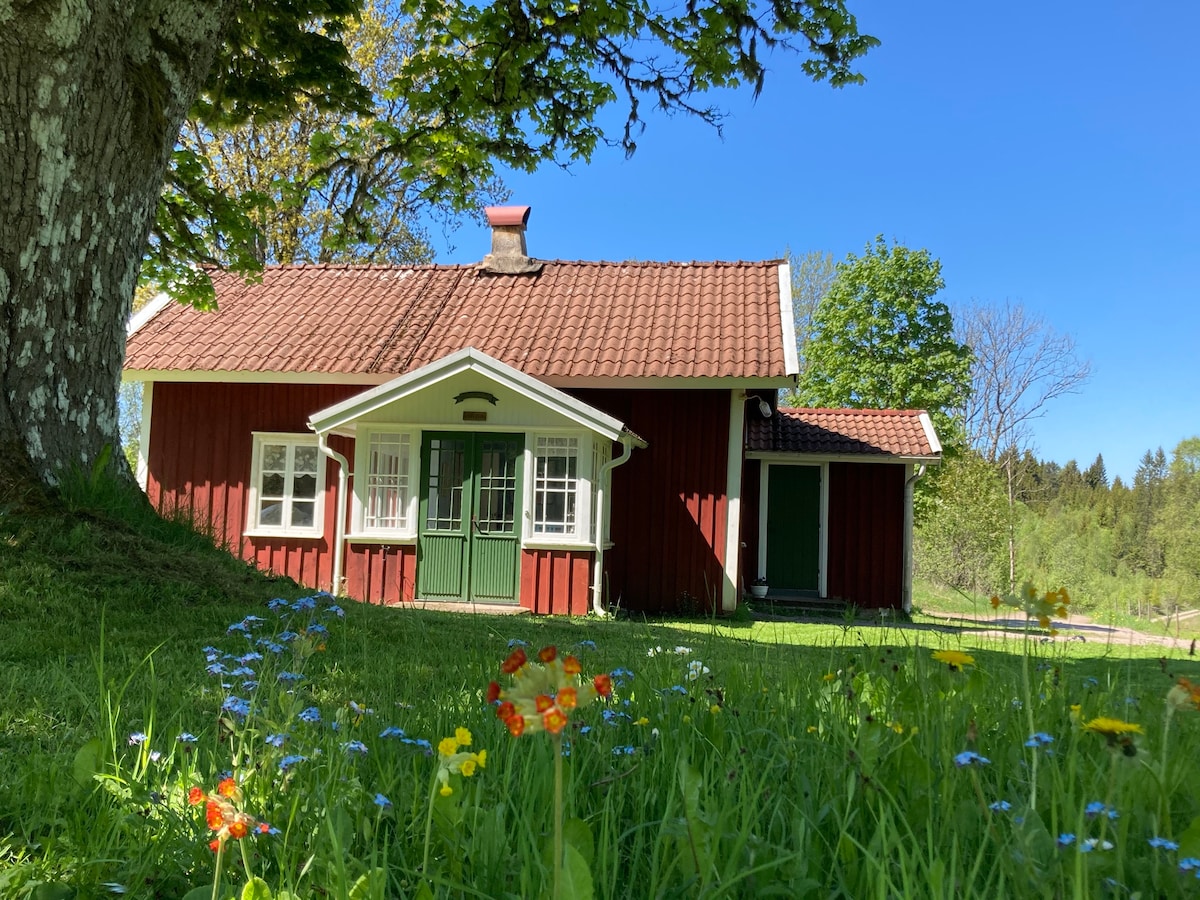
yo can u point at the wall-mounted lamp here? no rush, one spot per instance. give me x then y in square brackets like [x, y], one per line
[764, 408]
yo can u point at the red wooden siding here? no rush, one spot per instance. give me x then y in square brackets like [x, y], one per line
[200, 454]
[669, 504]
[381, 573]
[866, 534]
[556, 581]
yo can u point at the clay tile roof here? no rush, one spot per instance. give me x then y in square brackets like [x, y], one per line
[571, 320]
[845, 432]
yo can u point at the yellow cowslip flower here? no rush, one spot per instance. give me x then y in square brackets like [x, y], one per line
[452, 761]
[462, 736]
[896, 727]
[642, 721]
[543, 693]
[829, 676]
[1036, 606]
[447, 746]
[955, 659]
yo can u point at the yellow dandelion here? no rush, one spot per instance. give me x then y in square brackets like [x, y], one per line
[1112, 728]
[955, 659]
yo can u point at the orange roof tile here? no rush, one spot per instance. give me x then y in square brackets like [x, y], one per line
[572, 320]
[840, 432]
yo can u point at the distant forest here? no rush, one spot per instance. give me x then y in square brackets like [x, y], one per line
[1129, 548]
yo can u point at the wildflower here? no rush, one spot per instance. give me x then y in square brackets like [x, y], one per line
[304, 604]
[715, 708]
[456, 762]
[242, 672]
[382, 802]
[215, 669]
[1184, 695]
[236, 705]
[1091, 844]
[619, 676]
[1096, 808]
[954, 659]
[1039, 739]
[1000, 806]
[628, 750]
[360, 711]
[289, 677]
[654, 651]
[1161, 843]
[642, 721]
[137, 738]
[222, 813]
[517, 642]
[1066, 840]
[1189, 864]
[543, 693]
[586, 645]
[1114, 730]
[277, 603]
[695, 669]
[970, 757]
[276, 740]
[336, 611]
[187, 738]
[392, 731]
[829, 676]
[355, 748]
[311, 715]
[288, 761]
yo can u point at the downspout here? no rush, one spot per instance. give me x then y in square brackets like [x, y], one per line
[601, 501]
[339, 528]
[906, 594]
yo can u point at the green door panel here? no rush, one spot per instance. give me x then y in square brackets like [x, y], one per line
[793, 527]
[468, 546]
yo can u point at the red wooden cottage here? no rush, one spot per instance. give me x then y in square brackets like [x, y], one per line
[567, 436]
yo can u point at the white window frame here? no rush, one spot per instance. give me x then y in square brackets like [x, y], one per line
[581, 533]
[360, 531]
[291, 441]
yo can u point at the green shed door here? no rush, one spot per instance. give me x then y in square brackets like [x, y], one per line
[469, 544]
[793, 527]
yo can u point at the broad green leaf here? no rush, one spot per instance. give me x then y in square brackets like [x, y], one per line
[257, 889]
[87, 762]
[365, 884]
[53, 891]
[424, 892]
[577, 834]
[576, 883]
[1189, 841]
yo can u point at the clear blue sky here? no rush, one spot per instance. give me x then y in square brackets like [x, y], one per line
[1046, 153]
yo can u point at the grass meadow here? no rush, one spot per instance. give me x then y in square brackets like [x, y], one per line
[159, 699]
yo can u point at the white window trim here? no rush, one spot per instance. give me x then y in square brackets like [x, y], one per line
[295, 439]
[583, 493]
[362, 452]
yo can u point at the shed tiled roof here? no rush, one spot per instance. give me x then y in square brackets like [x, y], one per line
[572, 320]
[844, 432]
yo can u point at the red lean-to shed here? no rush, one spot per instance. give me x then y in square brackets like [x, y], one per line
[566, 436]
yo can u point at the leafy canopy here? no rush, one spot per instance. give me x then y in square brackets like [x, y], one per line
[882, 341]
[518, 82]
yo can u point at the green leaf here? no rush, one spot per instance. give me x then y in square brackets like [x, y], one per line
[87, 762]
[424, 892]
[205, 892]
[576, 883]
[257, 889]
[363, 888]
[1189, 841]
[578, 835]
[56, 891]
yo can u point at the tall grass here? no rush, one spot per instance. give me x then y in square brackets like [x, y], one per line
[739, 759]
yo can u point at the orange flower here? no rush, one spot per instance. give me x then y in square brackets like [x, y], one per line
[554, 719]
[214, 814]
[195, 796]
[543, 693]
[515, 660]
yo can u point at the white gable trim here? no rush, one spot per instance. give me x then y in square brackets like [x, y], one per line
[468, 359]
[787, 318]
[927, 423]
[156, 305]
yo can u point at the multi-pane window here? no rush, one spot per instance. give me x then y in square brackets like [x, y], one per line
[387, 489]
[287, 485]
[555, 485]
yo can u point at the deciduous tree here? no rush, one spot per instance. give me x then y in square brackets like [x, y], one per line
[881, 339]
[93, 94]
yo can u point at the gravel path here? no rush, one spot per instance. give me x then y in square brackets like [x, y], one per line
[1074, 628]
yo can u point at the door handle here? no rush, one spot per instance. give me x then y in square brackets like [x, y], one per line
[479, 529]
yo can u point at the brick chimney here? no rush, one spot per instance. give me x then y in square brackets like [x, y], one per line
[508, 256]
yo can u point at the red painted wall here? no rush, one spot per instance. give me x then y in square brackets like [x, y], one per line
[381, 573]
[556, 581]
[200, 449]
[669, 504]
[866, 534]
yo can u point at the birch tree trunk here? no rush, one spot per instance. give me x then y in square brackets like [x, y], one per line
[92, 95]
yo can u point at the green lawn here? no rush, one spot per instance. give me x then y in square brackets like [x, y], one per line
[735, 758]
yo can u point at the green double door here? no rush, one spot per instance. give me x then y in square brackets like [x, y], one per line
[793, 528]
[468, 544]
